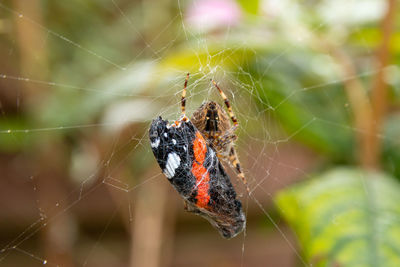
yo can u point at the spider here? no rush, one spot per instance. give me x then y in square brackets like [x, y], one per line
[213, 123]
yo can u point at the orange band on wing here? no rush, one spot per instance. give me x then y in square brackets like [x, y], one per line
[200, 172]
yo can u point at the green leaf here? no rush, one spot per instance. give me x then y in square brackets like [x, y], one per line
[391, 146]
[12, 135]
[346, 217]
[215, 55]
[66, 108]
[310, 114]
[250, 6]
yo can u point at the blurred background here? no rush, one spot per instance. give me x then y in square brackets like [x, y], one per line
[315, 85]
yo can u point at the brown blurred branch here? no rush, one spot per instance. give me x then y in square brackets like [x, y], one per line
[379, 93]
[153, 227]
[59, 236]
[32, 49]
[360, 104]
[357, 96]
[51, 156]
[149, 217]
[368, 113]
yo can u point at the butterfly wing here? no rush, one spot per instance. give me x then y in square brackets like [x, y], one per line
[194, 170]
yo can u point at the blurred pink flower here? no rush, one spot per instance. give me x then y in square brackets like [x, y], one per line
[206, 15]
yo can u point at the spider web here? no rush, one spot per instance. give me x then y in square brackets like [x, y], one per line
[119, 165]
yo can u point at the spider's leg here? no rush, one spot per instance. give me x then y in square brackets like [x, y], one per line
[183, 99]
[227, 104]
[234, 160]
[228, 137]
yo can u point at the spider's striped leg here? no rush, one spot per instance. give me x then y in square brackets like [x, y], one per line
[227, 104]
[234, 160]
[228, 137]
[183, 99]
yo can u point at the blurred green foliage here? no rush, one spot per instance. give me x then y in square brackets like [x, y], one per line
[345, 217]
[313, 114]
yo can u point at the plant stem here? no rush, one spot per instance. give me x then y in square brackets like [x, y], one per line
[379, 92]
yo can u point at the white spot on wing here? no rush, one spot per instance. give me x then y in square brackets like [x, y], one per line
[174, 141]
[173, 161]
[165, 134]
[212, 153]
[155, 143]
